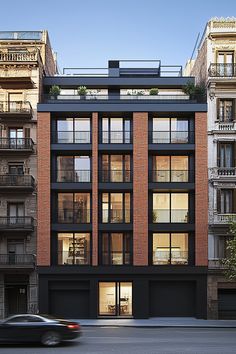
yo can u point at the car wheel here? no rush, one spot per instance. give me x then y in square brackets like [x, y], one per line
[50, 339]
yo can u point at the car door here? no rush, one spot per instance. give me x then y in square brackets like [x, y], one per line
[13, 328]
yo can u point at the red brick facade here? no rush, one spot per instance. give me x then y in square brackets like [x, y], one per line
[95, 189]
[201, 190]
[43, 216]
[140, 188]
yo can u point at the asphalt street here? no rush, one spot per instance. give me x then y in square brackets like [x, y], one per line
[96, 340]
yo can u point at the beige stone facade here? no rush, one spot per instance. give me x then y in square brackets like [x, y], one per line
[25, 57]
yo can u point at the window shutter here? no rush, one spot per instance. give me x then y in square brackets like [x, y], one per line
[234, 200]
[218, 200]
[234, 111]
[27, 132]
[218, 153]
[217, 109]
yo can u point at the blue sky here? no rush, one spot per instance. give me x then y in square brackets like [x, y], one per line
[87, 33]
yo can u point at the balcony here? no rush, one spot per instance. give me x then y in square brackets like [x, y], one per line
[170, 257]
[80, 257]
[77, 176]
[19, 261]
[222, 70]
[116, 137]
[171, 137]
[16, 145]
[115, 176]
[215, 264]
[74, 216]
[18, 57]
[15, 110]
[227, 173]
[222, 219]
[71, 137]
[116, 258]
[17, 182]
[181, 176]
[227, 126]
[170, 216]
[16, 223]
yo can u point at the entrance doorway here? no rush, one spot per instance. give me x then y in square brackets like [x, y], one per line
[115, 299]
[16, 299]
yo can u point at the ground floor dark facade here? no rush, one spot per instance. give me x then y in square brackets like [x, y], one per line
[138, 292]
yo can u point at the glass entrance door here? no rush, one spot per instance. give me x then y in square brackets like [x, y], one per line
[115, 299]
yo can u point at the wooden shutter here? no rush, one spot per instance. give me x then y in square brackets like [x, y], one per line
[217, 109]
[218, 153]
[234, 200]
[218, 200]
[27, 132]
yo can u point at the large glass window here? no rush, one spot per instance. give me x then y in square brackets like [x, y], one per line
[116, 131]
[225, 62]
[73, 169]
[227, 200]
[115, 168]
[73, 130]
[116, 207]
[115, 298]
[226, 155]
[73, 248]
[170, 248]
[116, 248]
[170, 169]
[225, 110]
[74, 208]
[170, 130]
[170, 208]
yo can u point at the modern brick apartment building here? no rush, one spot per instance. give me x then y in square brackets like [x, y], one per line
[25, 57]
[215, 65]
[122, 194]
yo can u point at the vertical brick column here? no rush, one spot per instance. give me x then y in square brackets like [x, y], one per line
[95, 188]
[201, 190]
[140, 188]
[43, 189]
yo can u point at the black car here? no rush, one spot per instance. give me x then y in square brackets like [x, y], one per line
[36, 328]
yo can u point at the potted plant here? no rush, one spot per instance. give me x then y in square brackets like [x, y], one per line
[54, 91]
[82, 92]
[153, 91]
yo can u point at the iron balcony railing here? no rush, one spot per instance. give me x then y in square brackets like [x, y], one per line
[18, 56]
[170, 216]
[16, 144]
[15, 107]
[217, 218]
[171, 175]
[12, 259]
[74, 257]
[116, 258]
[116, 216]
[17, 181]
[115, 176]
[174, 257]
[73, 176]
[226, 171]
[71, 137]
[73, 216]
[116, 137]
[16, 222]
[225, 126]
[225, 117]
[222, 70]
[171, 137]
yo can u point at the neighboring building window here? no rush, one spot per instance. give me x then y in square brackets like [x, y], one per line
[116, 131]
[115, 168]
[170, 130]
[73, 130]
[170, 169]
[74, 208]
[226, 110]
[225, 62]
[226, 201]
[116, 248]
[226, 154]
[170, 208]
[16, 168]
[73, 169]
[16, 213]
[116, 207]
[74, 248]
[170, 248]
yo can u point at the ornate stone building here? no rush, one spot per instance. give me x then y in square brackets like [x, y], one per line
[25, 57]
[215, 65]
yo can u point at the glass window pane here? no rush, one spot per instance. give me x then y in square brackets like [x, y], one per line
[126, 299]
[107, 298]
[179, 248]
[161, 248]
[127, 207]
[161, 168]
[161, 207]
[179, 207]
[179, 168]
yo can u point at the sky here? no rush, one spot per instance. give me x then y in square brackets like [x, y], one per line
[88, 33]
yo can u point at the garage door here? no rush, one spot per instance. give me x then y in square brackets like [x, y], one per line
[70, 303]
[227, 303]
[173, 299]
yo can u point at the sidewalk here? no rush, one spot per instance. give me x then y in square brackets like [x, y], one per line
[190, 322]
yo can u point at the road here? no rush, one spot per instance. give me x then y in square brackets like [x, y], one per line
[139, 341]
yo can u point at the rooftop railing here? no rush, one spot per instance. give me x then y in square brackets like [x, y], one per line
[22, 35]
